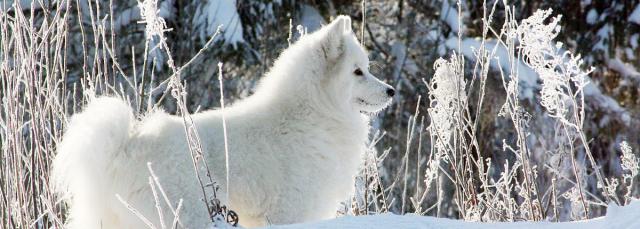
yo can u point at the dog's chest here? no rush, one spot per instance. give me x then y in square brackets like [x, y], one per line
[329, 156]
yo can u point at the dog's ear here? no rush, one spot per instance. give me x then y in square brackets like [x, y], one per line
[343, 23]
[334, 38]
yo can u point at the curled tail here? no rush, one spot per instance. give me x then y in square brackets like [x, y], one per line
[89, 147]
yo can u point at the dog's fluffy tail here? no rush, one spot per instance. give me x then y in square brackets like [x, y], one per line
[92, 142]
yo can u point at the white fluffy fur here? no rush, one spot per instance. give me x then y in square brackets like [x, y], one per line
[294, 146]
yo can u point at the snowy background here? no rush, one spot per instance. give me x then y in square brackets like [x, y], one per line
[404, 39]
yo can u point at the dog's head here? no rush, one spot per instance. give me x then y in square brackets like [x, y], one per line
[347, 78]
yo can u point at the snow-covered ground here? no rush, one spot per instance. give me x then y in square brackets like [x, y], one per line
[617, 217]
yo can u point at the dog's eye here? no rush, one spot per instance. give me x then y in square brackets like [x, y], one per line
[358, 72]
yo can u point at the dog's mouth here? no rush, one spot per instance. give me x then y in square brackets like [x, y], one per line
[370, 108]
[368, 104]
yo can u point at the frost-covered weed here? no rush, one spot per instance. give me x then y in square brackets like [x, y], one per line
[155, 26]
[446, 94]
[562, 74]
[631, 166]
[630, 163]
[563, 84]
[520, 192]
[449, 129]
[574, 197]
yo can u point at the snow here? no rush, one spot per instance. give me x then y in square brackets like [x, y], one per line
[635, 15]
[629, 75]
[449, 15]
[166, 10]
[126, 17]
[22, 4]
[603, 34]
[629, 53]
[594, 95]
[616, 217]
[310, 18]
[633, 40]
[592, 16]
[215, 13]
[625, 70]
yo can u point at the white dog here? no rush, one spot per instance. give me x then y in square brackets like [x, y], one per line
[294, 146]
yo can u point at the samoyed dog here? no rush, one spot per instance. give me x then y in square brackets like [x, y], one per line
[295, 145]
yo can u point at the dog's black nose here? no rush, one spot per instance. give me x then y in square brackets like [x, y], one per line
[391, 92]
